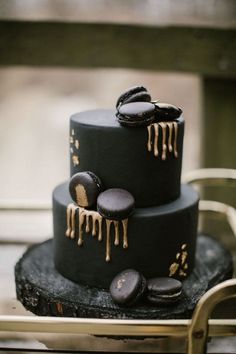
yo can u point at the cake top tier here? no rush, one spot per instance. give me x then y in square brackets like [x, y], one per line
[100, 118]
[145, 160]
[138, 147]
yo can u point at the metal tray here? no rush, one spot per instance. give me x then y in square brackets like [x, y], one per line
[23, 332]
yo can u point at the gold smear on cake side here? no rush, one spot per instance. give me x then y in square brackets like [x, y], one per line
[74, 147]
[90, 220]
[169, 139]
[81, 195]
[75, 160]
[180, 266]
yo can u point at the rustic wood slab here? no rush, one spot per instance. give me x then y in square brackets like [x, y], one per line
[43, 291]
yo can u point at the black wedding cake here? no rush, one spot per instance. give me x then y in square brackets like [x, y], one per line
[125, 239]
[144, 158]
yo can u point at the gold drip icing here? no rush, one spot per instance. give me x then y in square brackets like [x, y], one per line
[175, 141]
[167, 146]
[117, 238]
[164, 147]
[149, 144]
[170, 147]
[86, 216]
[73, 132]
[108, 241]
[70, 215]
[156, 129]
[125, 235]
[71, 140]
[180, 266]
[90, 220]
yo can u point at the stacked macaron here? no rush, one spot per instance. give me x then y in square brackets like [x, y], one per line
[130, 286]
[86, 190]
[135, 108]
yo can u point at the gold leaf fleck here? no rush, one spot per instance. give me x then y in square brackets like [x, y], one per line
[182, 273]
[75, 160]
[77, 143]
[184, 256]
[173, 269]
[184, 246]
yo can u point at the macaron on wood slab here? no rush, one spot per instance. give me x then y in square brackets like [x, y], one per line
[163, 291]
[130, 286]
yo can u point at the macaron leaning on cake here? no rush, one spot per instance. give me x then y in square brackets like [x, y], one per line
[128, 287]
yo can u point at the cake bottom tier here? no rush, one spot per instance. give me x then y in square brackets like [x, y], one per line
[45, 292]
[161, 242]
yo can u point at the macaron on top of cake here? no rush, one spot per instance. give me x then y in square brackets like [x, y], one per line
[84, 188]
[166, 111]
[127, 287]
[136, 114]
[163, 290]
[134, 94]
[115, 204]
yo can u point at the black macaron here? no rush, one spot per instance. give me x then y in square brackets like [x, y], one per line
[84, 189]
[167, 111]
[164, 290]
[115, 204]
[136, 114]
[127, 287]
[134, 94]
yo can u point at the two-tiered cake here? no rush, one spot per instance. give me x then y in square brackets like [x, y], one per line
[159, 237]
[125, 229]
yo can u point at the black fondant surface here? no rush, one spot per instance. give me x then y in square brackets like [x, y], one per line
[155, 236]
[119, 157]
[44, 291]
